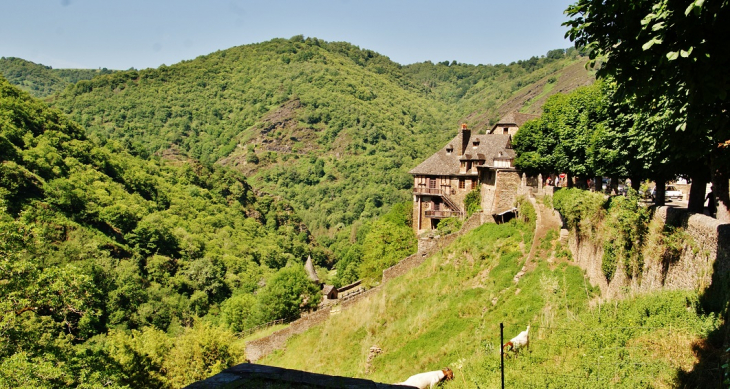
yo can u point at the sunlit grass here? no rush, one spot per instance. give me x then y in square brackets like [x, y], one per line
[447, 313]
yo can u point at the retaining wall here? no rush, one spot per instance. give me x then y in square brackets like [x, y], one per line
[705, 258]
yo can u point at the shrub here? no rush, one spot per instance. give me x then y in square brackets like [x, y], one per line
[450, 225]
[581, 210]
[624, 232]
[472, 201]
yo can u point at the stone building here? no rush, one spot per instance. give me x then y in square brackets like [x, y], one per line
[468, 162]
[511, 122]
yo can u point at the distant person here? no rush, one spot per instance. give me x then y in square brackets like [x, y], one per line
[711, 206]
[549, 181]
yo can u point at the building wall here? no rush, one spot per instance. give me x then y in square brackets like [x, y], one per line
[507, 185]
[499, 190]
[511, 128]
[450, 185]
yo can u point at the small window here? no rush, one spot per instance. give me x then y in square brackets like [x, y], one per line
[449, 150]
[475, 143]
[461, 183]
[432, 183]
[468, 165]
[505, 131]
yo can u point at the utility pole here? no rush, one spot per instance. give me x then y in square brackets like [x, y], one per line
[501, 350]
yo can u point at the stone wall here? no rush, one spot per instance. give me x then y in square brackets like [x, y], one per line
[705, 257]
[256, 349]
[249, 375]
[508, 184]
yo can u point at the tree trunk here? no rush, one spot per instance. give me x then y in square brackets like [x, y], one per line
[614, 185]
[635, 183]
[660, 192]
[598, 183]
[697, 189]
[720, 187]
[569, 180]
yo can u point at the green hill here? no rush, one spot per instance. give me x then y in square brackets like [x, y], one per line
[97, 245]
[40, 80]
[327, 125]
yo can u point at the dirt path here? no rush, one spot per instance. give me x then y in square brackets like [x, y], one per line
[547, 221]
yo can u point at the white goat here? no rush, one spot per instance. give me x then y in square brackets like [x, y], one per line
[429, 379]
[520, 341]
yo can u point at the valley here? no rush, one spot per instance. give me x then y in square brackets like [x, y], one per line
[154, 222]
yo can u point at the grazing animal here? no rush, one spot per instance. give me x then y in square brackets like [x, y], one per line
[429, 379]
[520, 341]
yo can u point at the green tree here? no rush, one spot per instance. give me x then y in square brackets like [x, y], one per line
[286, 293]
[670, 56]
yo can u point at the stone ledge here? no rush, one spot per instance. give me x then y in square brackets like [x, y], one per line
[250, 375]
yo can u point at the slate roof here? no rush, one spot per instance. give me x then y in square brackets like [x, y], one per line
[445, 164]
[327, 289]
[309, 268]
[514, 118]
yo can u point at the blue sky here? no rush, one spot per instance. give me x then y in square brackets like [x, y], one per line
[147, 33]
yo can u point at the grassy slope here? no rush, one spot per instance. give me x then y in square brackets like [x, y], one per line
[442, 314]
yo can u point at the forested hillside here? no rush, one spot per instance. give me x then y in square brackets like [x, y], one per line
[326, 125]
[116, 270]
[40, 80]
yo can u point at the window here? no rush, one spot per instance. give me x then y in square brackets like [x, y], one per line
[468, 165]
[475, 143]
[461, 183]
[505, 131]
[473, 183]
[432, 183]
[436, 206]
[449, 150]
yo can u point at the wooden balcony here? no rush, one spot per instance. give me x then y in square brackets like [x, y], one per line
[442, 214]
[428, 191]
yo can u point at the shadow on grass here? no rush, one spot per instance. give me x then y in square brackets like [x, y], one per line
[711, 352]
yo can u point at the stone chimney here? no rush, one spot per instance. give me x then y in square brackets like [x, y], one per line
[463, 141]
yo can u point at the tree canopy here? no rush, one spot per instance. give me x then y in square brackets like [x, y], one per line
[669, 57]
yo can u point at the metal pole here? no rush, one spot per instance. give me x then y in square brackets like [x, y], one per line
[501, 350]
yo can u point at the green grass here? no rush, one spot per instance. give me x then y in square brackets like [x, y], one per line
[442, 314]
[264, 332]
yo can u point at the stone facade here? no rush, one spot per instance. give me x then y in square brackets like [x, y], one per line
[467, 162]
[499, 190]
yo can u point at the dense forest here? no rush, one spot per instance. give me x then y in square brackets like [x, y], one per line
[97, 242]
[328, 126]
